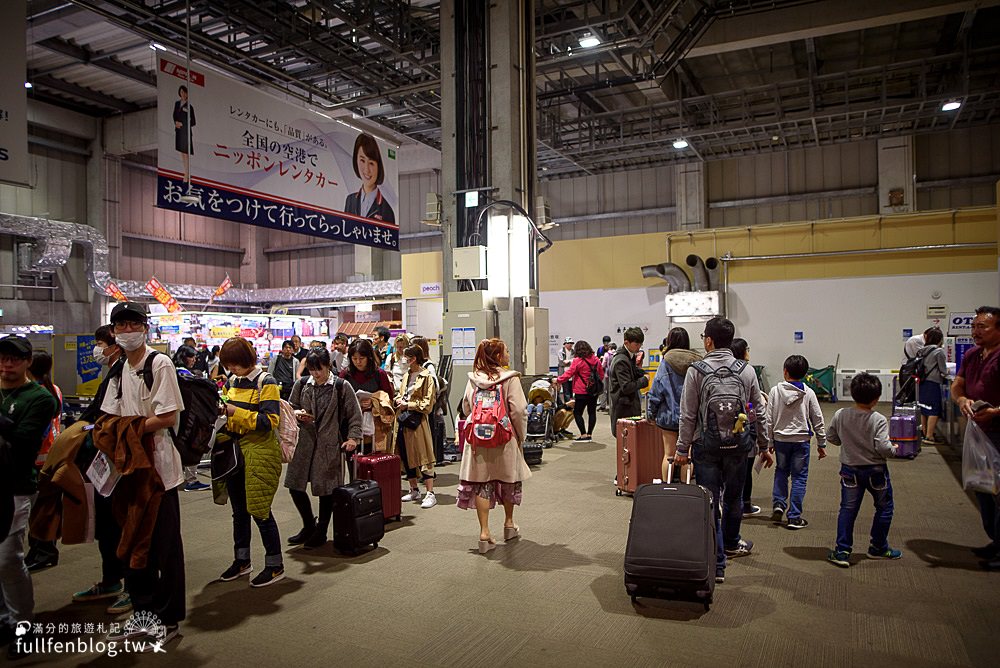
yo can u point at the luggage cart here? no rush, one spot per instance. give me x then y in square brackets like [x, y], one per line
[823, 381]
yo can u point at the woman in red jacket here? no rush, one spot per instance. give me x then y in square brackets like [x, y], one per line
[584, 367]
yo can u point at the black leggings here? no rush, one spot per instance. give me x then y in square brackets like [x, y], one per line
[588, 401]
[304, 506]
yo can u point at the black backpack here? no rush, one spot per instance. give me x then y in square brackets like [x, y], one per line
[594, 383]
[194, 435]
[911, 372]
[723, 401]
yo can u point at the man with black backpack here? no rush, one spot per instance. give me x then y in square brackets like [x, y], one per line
[720, 397]
[159, 587]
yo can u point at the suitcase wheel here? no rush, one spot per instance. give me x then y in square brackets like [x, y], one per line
[374, 546]
[618, 492]
[633, 597]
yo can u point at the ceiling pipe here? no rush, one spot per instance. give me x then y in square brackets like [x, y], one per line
[699, 275]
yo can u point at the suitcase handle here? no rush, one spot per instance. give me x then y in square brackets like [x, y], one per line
[670, 472]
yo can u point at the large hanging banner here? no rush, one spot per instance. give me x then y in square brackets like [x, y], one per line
[229, 151]
[14, 160]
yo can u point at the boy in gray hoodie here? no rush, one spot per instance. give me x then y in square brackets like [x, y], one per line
[793, 416]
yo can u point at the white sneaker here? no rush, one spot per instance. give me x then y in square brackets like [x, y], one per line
[413, 495]
[429, 500]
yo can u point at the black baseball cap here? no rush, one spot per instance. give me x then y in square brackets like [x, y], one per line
[15, 345]
[133, 311]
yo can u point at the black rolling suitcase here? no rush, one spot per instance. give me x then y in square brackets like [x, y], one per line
[437, 435]
[357, 516]
[671, 543]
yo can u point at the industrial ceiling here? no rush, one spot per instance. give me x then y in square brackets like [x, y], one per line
[618, 81]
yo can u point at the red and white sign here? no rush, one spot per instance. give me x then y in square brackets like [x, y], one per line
[162, 295]
[222, 289]
[112, 290]
[179, 71]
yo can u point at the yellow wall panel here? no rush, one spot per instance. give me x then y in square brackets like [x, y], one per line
[417, 268]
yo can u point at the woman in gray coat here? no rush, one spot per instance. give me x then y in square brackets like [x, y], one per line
[322, 401]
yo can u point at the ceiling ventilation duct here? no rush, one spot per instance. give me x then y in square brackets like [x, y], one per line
[713, 268]
[699, 275]
[673, 274]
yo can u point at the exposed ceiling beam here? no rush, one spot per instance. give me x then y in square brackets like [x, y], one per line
[798, 23]
[102, 61]
[88, 94]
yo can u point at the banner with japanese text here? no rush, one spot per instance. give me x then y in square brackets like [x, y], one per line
[162, 295]
[112, 290]
[14, 160]
[229, 151]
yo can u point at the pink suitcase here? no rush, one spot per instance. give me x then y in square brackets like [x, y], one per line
[385, 470]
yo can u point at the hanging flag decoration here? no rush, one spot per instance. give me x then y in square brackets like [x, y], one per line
[161, 295]
[112, 290]
[221, 290]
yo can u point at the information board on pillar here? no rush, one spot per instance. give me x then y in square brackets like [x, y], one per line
[229, 151]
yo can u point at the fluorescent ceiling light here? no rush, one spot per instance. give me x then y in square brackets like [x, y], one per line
[156, 46]
[27, 84]
[951, 105]
[588, 41]
[680, 143]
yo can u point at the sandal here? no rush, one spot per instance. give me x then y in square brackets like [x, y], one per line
[487, 545]
[510, 533]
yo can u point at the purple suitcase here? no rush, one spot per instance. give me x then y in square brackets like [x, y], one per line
[903, 427]
[909, 448]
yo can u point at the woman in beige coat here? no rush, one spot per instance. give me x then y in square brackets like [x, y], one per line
[489, 475]
[417, 392]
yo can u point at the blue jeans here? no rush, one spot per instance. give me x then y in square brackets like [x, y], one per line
[854, 482]
[790, 459]
[236, 486]
[723, 475]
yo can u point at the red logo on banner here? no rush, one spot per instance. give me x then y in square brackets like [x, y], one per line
[155, 288]
[179, 71]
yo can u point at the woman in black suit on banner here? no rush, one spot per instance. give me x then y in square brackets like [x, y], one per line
[368, 201]
[183, 140]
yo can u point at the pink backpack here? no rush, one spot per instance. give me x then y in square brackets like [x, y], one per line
[488, 425]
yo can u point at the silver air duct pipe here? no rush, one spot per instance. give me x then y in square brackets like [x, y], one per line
[713, 268]
[671, 273]
[699, 276]
[54, 241]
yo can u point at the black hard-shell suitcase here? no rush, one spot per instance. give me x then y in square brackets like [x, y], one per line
[437, 435]
[671, 543]
[357, 516]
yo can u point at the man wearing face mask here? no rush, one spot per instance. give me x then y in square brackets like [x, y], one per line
[158, 588]
[107, 531]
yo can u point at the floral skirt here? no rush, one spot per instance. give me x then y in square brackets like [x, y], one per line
[495, 491]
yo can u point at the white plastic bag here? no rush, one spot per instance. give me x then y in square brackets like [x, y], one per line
[980, 462]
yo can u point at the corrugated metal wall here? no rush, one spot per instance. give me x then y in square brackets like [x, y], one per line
[813, 170]
[413, 189]
[310, 266]
[211, 247]
[58, 187]
[959, 154]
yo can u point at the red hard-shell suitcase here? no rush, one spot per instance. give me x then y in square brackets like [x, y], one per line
[385, 470]
[640, 454]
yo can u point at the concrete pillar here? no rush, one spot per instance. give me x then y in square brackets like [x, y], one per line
[449, 178]
[896, 190]
[692, 205]
[253, 266]
[103, 197]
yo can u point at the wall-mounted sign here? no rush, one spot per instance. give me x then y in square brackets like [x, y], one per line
[800, 337]
[14, 161]
[229, 151]
[430, 290]
[936, 311]
[960, 324]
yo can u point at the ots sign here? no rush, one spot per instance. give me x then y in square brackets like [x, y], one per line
[960, 324]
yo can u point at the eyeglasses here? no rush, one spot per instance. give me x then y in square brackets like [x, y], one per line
[129, 326]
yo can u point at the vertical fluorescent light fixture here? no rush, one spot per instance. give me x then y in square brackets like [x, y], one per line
[497, 253]
[680, 143]
[951, 105]
[589, 40]
[520, 260]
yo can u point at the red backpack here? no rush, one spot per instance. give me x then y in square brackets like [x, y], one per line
[488, 425]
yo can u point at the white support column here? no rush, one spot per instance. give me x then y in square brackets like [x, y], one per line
[896, 191]
[692, 205]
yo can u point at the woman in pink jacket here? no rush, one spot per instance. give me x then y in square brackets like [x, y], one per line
[582, 371]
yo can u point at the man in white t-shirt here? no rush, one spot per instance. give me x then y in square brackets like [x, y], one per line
[914, 344]
[158, 588]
